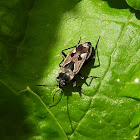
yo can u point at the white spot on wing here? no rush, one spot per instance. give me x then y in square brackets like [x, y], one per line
[83, 55]
[85, 45]
[74, 51]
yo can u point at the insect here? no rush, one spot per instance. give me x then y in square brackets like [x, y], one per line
[73, 62]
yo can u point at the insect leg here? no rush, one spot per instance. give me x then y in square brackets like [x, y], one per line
[82, 77]
[74, 82]
[61, 61]
[65, 50]
[69, 48]
[64, 55]
[96, 51]
[79, 40]
[75, 85]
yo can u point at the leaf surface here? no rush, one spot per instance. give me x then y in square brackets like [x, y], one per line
[110, 107]
[25, 116]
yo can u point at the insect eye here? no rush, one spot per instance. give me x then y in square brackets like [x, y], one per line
[72, 54]
[79, 58]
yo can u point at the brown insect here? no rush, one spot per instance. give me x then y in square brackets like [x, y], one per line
[73, 62]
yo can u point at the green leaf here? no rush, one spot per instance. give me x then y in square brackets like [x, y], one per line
[25, 116]
[10, 112]
[134, 4]
[30, 51]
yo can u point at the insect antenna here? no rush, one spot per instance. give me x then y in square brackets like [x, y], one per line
[58, 100]
[97, 43]
[56, 93]
[96, 50]
[47, 85]
[80, 89]
[79, 40]
[83, 91]
[69, 115]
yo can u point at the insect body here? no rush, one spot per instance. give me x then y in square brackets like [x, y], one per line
[73, 62]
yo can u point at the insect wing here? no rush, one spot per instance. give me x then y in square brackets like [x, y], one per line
[78, 64]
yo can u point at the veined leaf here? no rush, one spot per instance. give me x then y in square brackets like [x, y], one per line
[31, 41]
